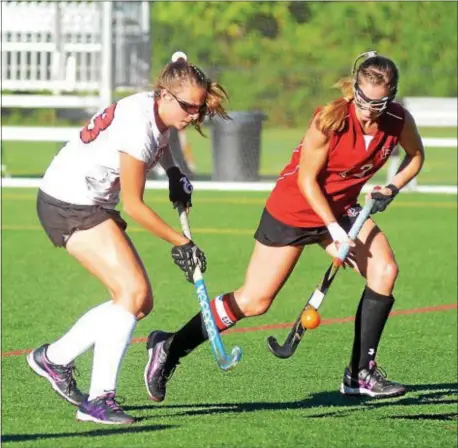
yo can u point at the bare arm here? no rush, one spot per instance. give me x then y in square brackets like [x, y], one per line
[315, 148]
[133, 177]
[167, 160]
[410, 141]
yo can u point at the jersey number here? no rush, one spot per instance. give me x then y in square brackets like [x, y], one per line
[98, 124]
[358, 172]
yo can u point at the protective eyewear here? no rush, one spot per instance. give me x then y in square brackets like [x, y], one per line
[189, 108]
[365, 103]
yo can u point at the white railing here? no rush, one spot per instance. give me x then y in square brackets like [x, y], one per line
[51, 101]
[76, 46]
[38, 38]
[433, 112]
[228, 186]
[63, 134]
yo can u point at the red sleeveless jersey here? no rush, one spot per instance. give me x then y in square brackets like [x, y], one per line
[349, 166]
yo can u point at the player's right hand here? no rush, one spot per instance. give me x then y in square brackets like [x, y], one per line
[338, 235]
[187, 257]
[180, 187]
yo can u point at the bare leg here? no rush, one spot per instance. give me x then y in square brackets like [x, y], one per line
[268, 270]
[373, 258]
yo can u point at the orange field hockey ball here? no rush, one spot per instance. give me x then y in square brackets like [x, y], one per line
[310, 319]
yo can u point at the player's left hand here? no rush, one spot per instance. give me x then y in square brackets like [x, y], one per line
[180, 188]
[382, 197]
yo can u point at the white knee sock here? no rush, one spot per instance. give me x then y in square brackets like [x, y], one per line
[113, 337]
[79, 338]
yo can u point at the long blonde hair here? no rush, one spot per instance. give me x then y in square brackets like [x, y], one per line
[179, 71]
[377, 70]
[331, 117]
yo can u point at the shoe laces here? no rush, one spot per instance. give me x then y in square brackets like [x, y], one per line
[112, 402]
[66, 375]
[377, 372]
[167, 371]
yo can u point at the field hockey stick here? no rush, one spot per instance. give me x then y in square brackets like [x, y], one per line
[316, 299]
[224, 362]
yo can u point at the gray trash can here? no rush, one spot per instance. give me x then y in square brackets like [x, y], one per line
[236, 146]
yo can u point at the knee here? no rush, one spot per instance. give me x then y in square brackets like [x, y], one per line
[253, 304]
[137, 296]
[147, 306]
[388, 271]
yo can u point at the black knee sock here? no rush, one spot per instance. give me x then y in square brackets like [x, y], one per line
[190, 336]
[372, 314]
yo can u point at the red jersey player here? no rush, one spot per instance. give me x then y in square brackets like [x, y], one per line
[315, 201]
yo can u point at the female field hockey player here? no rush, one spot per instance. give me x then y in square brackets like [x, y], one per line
[76, 203]
[315, 202]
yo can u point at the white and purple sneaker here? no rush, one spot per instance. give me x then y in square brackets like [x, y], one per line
[104, 409]
[60, 376]
[371, 382]
[159, 367]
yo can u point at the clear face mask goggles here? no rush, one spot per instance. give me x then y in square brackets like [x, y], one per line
[365, 103]
[362, 101]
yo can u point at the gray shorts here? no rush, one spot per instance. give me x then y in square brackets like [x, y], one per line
[60, 219]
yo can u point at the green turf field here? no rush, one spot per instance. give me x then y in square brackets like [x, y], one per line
[264, 402]
[32, 159]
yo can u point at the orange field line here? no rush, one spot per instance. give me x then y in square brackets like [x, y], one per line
[339, 320]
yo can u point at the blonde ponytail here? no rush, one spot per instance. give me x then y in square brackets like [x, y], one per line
[331, 117]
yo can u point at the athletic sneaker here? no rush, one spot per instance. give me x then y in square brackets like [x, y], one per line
[160, 367]
[104, 409]
[371, 382]
[60, 376]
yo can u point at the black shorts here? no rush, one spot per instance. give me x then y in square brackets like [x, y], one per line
[272, 232]
[60, 219]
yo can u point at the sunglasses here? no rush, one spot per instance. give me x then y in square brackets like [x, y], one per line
[365, 103]
[189, 108]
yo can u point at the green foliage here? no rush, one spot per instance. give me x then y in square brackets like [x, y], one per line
[284, 57]
[28, 117]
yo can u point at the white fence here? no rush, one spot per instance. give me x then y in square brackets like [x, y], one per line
[433, 112]
[40, 37]
[230, 186]
[63, 134]
[56, 134]
[83, 46]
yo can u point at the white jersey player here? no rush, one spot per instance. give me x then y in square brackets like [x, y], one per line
[86, 170]
[106, 161]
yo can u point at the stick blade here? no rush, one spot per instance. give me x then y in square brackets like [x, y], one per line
[280, 351]
[230, 362]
